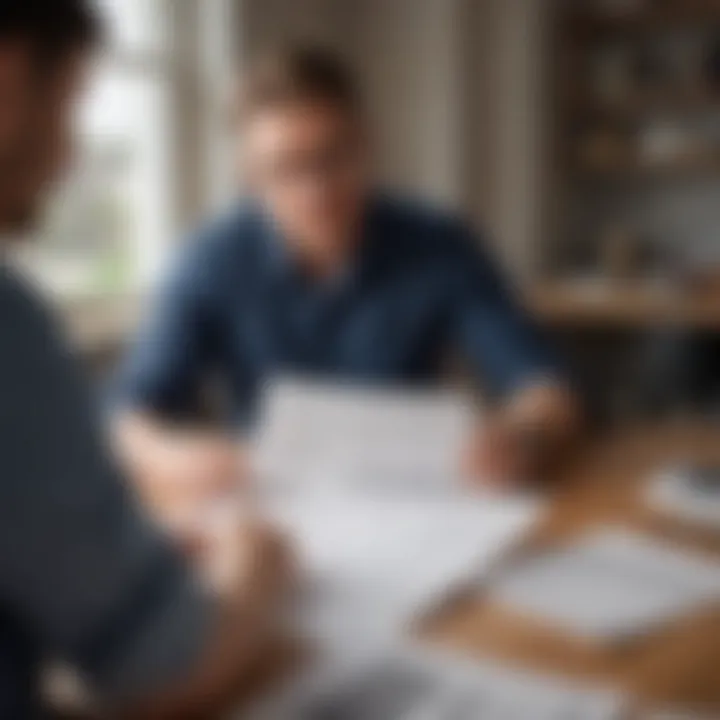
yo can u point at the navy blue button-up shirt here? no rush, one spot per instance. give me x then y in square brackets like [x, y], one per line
[238, 306]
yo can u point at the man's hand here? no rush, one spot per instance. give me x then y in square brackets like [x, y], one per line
[249, 568]
[245, 555]
[497, 457]
[192, 467]
[517, 443]
[175, 469]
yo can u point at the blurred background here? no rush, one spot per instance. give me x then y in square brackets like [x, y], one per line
[583, 136]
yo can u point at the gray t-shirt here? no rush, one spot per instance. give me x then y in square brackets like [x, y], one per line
[82, 571]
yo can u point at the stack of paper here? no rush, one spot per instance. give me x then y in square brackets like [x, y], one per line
[406, 684]
[365, 483]
[372, 565]
[689, 494]
[611, 584]
[362, 437]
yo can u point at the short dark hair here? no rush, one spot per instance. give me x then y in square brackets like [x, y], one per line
[299, 73]
[52, 28]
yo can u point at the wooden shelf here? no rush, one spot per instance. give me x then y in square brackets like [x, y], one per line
[685, 170]
[677, 17]
[631, 305]
[643, 105]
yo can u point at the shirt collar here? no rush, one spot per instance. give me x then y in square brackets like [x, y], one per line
[282, 266]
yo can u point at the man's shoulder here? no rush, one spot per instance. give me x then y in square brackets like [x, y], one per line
[413, 210]
[29, 329]
[419, 226]
[234, 231]
[226, 244]
[21, 305]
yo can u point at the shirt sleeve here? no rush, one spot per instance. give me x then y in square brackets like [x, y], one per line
[166, 366]
[79, 563]
[505, 347]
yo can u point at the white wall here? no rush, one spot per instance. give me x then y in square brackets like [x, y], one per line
[410, 58]
[265, 22]
[522, 97]
[459, 90]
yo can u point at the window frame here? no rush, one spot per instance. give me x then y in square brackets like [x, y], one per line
[195, 66]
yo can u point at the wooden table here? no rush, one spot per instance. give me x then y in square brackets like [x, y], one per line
[677, 666]
[680, 664]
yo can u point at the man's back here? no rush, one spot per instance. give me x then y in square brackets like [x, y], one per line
[18, 654]
[78, 562]
[84, 575]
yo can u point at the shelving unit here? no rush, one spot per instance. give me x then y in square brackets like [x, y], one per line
[605, 151]
[669, 15]
[687, 101]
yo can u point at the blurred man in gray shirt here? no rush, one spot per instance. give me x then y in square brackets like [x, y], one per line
[83, 574]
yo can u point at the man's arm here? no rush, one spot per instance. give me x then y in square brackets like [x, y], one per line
[157, 390]
[536, 411]
[255, 568]
[81, 565]
[175, 468]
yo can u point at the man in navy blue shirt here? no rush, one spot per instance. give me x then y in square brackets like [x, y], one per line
[319, 274]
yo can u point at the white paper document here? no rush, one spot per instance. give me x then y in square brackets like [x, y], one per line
[352, 436]
[690, 494]
[370, 566]
[365, 481]
[408, 684]
[610, 584]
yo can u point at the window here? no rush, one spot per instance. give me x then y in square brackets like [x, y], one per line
[141, 148]
[106, 227]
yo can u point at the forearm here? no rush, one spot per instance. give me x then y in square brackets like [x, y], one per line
[171, 463]
[138, 437]
[540, 422]
[142, 442]
[549, 408]
[227, 658]
[252, 580]
[238, 641]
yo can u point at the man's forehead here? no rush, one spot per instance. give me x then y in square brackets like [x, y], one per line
[295, 124]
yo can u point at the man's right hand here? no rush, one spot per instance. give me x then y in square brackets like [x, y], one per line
[246, 559]
[249, 568]
[191, 467]
[176, 470]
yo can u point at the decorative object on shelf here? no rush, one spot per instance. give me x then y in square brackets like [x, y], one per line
[623, 253]
[612, 79]
[605, 149]
[654, 67]
[665, 143]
